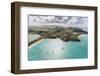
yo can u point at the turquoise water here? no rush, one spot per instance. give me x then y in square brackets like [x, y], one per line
[52, 49]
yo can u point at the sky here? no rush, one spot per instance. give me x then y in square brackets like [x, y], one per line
[73, 21]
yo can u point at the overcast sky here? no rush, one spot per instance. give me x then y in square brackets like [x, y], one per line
[77, 21]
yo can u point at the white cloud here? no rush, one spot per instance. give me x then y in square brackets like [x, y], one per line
[36, 20]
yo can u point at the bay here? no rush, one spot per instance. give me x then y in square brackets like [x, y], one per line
[52, 49]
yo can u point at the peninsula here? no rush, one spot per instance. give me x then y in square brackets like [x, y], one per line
[52, 32]
[68, 34]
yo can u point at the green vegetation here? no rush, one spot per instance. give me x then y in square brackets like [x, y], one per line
[65, 34]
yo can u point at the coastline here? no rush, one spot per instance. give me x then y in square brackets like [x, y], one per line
[81, 35]
[35, 43]
[44, 39]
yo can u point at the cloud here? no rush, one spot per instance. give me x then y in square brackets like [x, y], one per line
[76, 21]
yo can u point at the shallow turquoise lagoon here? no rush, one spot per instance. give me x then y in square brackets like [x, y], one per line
[52, 49]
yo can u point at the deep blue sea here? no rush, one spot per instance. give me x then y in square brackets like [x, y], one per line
[52, 49]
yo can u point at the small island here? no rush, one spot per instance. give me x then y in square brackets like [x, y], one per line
[52, 32]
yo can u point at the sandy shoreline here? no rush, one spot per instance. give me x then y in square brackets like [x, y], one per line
[36, 43]
[81, 35]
